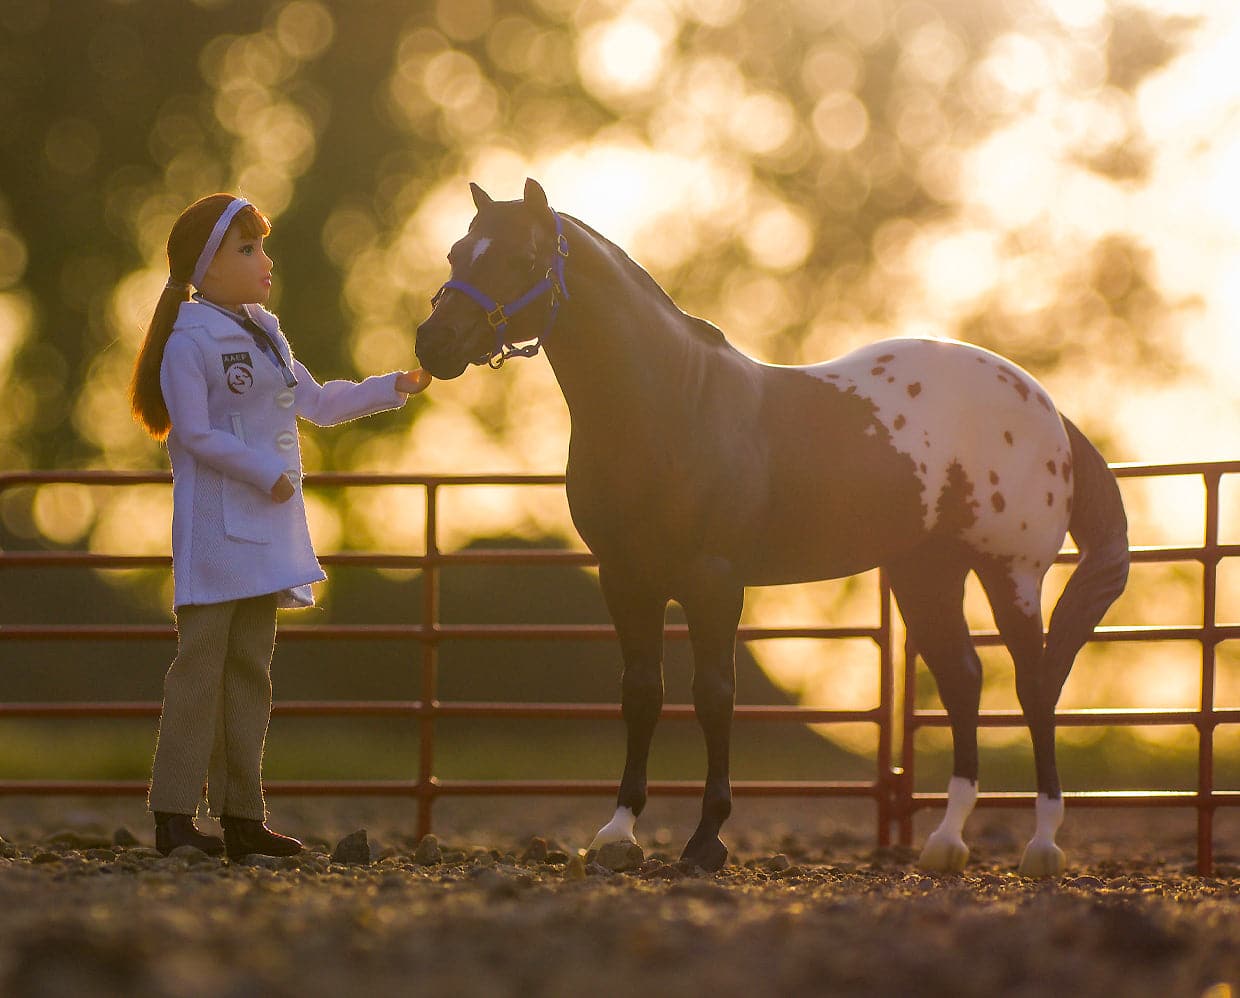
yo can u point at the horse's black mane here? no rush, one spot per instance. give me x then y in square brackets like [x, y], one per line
[700, 327]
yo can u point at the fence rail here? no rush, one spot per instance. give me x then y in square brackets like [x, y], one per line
[891, 788]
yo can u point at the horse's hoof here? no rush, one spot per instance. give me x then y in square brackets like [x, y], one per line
[943, 854]
[619, 829]
[709, 854]
[1042, 859]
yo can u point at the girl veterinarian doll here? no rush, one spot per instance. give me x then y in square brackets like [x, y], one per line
[217, 377]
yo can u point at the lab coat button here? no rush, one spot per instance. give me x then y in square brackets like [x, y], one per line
[286, 440]
[285, 398]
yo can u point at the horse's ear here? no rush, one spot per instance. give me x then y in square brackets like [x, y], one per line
[535, 196]
[481, 198]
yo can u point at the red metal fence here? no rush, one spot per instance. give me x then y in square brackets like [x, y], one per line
[891, 788]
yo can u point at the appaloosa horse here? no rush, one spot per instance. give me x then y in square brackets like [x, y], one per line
[695, 471]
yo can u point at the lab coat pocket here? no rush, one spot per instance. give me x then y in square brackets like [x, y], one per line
[247, 511]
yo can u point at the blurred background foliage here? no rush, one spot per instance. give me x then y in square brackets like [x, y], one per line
[1052, 179]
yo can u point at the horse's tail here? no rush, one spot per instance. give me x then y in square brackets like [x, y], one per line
[1100, 528]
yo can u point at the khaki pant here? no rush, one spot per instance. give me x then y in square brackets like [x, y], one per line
[217, 703]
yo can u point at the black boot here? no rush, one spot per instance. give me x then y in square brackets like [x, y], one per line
[172, 830]
[247, 837]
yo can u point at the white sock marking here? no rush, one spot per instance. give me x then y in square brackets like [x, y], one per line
[621, 828]
[961, 797]
[1049, 817]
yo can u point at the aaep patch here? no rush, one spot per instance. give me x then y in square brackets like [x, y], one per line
[238, 372]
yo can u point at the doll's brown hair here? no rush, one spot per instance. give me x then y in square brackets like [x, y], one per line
[185, 243]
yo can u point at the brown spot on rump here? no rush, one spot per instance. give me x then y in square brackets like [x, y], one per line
[923, 467]
[877, 370]
[1068, 504]
[956, 507]
[914, 389]
[898, 422]
[994, 478]
[833, 377]
[885, 358]
[1066, 468]
[1050, 498]
[1024, 525]
[1007, 435]
[998, 502]
[1042, 401]
[1017, 382]
[1050, 466]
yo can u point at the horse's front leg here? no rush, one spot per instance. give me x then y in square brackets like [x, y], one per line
[712, 607]
[638, 616]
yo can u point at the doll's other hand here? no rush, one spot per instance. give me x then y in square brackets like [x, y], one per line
[412, 382]
[283, 490]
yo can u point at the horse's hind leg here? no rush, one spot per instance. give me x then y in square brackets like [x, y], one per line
[1015, 599]
[638, 617]
[929, 588]
[712, 605]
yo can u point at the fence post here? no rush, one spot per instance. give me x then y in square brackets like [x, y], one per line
[430, 663]
[1209, 642]
[886, 777]
[908, 750]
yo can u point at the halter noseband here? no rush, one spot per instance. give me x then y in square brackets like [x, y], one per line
[499, 315]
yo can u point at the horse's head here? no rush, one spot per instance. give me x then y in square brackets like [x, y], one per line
[511, 257]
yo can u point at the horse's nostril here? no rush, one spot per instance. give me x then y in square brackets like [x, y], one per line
[428, 336]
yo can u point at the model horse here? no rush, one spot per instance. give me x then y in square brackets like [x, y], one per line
[695, 471]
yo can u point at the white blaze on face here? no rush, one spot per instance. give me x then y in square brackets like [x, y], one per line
[480, 247]
[984, 438]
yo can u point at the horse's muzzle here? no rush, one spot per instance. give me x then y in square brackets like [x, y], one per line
[439, 350]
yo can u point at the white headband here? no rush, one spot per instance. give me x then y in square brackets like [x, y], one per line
[214, 240]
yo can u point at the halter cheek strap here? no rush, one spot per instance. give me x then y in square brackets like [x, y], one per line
[213, 241]
[499, 315]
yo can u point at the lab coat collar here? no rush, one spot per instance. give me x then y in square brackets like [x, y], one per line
[223, 324]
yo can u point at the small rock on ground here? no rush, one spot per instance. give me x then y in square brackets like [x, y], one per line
[353, 849]
[428, 852]
[620, 856]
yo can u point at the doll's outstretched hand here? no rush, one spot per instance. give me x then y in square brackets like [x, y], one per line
[283, 490]
[412, 382]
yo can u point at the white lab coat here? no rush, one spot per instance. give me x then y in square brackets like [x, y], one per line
[234, 433]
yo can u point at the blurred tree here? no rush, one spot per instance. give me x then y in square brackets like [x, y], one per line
[809, 175]
[813, 155]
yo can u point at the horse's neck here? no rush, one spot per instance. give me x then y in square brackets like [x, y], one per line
[622, 352]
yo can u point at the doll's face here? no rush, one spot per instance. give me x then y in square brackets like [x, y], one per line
[240, 274]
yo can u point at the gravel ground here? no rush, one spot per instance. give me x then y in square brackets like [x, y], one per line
[500, 903]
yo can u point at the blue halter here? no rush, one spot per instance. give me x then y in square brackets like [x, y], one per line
[499, 315]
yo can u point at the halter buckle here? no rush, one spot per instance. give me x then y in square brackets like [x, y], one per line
[497, 318]
[561, 244]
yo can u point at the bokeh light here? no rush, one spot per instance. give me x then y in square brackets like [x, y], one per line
[1053, 179]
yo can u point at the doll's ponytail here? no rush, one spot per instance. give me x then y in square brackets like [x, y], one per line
[146, 399]
[185, 244]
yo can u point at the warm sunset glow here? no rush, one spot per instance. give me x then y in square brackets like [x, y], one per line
[1058, 180]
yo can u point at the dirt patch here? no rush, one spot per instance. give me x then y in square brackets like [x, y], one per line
[815, 911]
